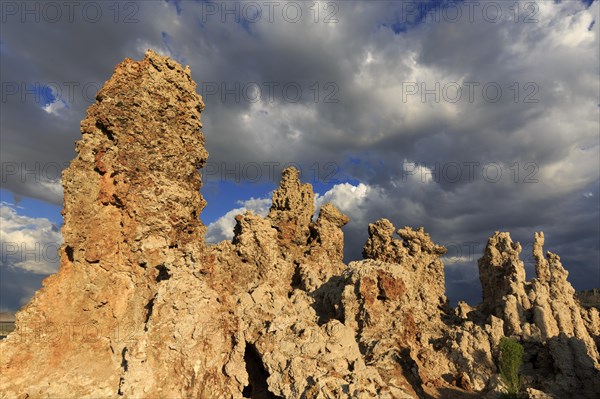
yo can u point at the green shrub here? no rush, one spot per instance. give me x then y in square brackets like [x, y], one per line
[511, 357]
[512, 396]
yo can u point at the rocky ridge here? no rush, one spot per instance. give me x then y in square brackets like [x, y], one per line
[143, 308]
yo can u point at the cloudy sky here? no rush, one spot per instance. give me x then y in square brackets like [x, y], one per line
[462, 117]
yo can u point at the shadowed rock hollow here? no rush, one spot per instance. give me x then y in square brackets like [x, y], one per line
[142, 308]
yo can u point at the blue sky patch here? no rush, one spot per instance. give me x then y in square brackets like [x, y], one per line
[32, 207]
[43, 94]
[168, 43]
[409, 14]
[176, 4]
[587, 2]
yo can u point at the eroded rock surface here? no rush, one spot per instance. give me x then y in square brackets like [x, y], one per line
[142, 308]
[131, 226]
[545, 315]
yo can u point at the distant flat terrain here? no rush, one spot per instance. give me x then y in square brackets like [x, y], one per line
[7, 323]
[589, 298]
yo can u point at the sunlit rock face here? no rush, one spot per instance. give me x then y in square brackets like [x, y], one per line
[558, 333]
[143, 308]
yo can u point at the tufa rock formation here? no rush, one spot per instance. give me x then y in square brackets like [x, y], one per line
[142, 308]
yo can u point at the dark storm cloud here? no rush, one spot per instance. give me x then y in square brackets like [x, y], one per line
[16, 287]
[73, 56]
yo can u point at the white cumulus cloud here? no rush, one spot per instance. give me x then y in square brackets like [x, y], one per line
[222, 228]
[29, 244]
